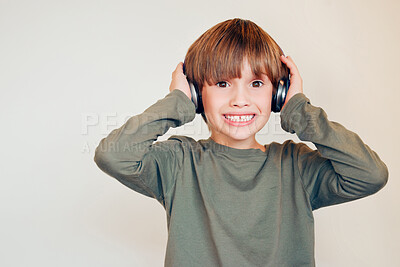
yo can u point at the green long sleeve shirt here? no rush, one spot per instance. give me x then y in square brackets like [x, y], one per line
[240, 207]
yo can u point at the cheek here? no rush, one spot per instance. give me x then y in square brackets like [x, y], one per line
[211, 108]
[211, 103]
[264, 102]
[208, 106]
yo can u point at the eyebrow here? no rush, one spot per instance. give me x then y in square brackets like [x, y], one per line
[259, 77]
[252, 77]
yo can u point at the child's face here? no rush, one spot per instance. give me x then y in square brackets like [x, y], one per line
[238, 108]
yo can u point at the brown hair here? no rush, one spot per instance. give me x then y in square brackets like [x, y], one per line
[218, 54]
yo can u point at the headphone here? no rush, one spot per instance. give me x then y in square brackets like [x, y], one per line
[279, 93]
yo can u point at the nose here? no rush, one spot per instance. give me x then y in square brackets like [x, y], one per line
[240, 97]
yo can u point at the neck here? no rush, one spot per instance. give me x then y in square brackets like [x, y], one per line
[239, 144]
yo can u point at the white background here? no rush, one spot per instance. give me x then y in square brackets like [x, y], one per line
[71, 71]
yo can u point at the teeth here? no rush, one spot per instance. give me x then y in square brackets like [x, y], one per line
[239, 118]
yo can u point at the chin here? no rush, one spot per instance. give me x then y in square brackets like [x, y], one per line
[240, 134]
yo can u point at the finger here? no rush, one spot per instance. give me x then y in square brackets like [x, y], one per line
[178, 69]
[180, 66]
[294, 71]
[290, 64]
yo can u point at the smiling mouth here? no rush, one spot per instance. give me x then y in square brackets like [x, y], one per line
[239, 120]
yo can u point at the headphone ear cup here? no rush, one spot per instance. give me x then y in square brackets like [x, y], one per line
[279, 94]
[196, 98]
[195, 93]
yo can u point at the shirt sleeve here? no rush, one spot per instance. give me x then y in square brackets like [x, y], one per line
[131, 154]
[342, 168]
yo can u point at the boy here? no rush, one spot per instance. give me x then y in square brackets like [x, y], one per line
[229, 200]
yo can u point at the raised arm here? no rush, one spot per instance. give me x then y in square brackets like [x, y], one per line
[131, 155]
[343, 168]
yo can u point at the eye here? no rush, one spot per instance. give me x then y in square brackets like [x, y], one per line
[222, 84]
[257, 84]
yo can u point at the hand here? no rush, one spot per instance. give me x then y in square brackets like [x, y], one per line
[179, 81]
[296, 83]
